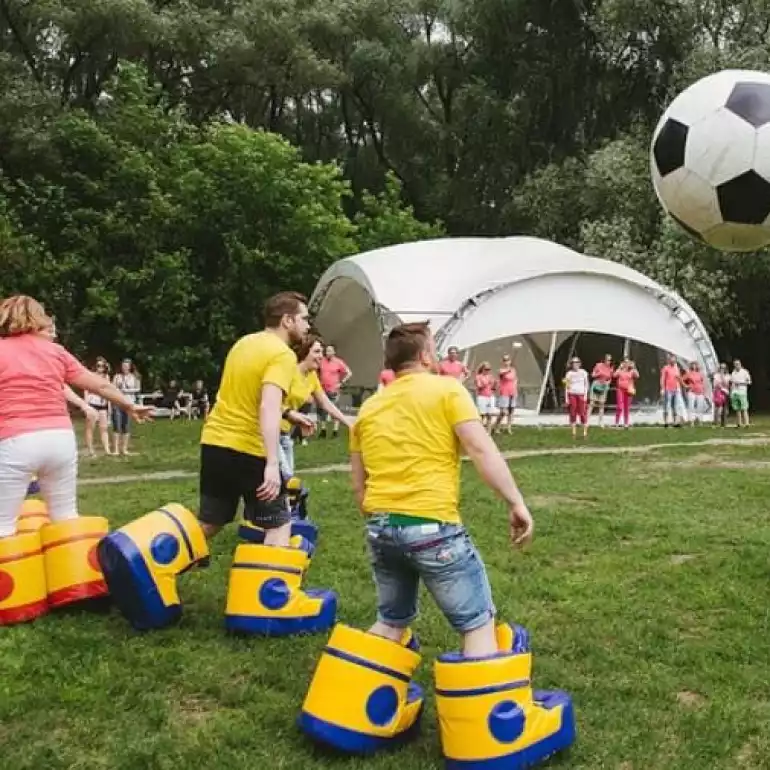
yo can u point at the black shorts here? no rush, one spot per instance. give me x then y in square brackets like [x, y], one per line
[226, 478]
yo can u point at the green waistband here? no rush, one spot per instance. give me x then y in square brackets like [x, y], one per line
[402, 520]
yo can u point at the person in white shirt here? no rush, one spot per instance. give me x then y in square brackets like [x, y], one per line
[576, 387]
[740, 380]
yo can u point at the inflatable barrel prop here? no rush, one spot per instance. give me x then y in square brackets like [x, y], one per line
[361, 698]
[33, 516]
[265, 595]
[72, 570]
[22, 579]
[141, 563]
[489, 715]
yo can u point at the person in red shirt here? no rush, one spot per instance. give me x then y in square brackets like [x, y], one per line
[386, 377]
[507, 391]
[670, 390]
[625, 384]
[452, 366]
[333, 373]
[695, 387]
[601, 377]
[485, 394]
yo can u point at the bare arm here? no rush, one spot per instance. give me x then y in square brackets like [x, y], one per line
[359, 478]
[74, 399]
[270, 420]
[488, 461]
[322, 400]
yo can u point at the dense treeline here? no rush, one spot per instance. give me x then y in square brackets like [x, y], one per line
[164, 164]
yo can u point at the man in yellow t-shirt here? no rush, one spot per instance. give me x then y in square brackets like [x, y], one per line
[239, 442]
[405, 455]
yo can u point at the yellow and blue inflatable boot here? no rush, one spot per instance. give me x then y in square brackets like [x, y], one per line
[22, 579]
[141, 563]
[251, 533]
[297, 493]
[489, 716]
[362, 699]
[33, 516]
[72, 570]
[265, 596]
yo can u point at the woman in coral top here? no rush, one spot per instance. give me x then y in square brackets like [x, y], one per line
[695, 387]
[36, 434]
[625, 376]
[485, 393]
[507, 390]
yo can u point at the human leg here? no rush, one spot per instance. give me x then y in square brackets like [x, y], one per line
[57, 473]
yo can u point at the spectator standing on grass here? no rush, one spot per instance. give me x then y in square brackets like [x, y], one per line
[334, 373]
[485, 393]
[625, 390]
[128, 382]
[415, 430]
[507, 392]
[37, 438]
[452, 366]
[101, 411]
[695, 386]
[721, 395]
[671, 392]
[576, 386]
[600, 387]
[740, 380]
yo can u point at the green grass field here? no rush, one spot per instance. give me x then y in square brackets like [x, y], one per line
[645, 592]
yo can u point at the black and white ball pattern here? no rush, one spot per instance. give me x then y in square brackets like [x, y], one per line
[710, 160]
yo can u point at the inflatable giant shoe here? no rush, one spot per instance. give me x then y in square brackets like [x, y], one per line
[22, 579]
[33, 516]
[72, 570]
[489, 716]
[251, 533]
[361, 698]
[298, 494]
[265, 597]
[141, 563]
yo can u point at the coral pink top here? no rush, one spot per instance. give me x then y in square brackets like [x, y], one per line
[694, 381]
[332, 371]
[602, 373]
[454, 369]
[33, 373]
[669, 378]
[485, 384]
[509, 382]
[626, 379]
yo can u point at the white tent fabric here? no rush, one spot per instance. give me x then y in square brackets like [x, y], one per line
[479, 294]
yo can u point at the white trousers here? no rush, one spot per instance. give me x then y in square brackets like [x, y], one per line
[52, 456]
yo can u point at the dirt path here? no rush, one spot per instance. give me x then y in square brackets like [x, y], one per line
[511, 455]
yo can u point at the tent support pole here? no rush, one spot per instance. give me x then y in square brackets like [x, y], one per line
[547, 371]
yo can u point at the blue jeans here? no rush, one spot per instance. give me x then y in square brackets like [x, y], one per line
[444, 556]
[121, 422]
[286, 455]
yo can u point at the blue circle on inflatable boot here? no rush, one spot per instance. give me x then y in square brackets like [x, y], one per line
[164, 548]
[506, 721]
[274, 594]
[382, 705]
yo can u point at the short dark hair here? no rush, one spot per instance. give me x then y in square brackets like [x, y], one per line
[303, 350]
[279, 305]
[404, 345]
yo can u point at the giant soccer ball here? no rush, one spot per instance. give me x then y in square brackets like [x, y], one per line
[710, 160]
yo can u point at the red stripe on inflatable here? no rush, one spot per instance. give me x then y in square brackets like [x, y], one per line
[78, 593]
[18, 556]
[23, 614]
[73, 539]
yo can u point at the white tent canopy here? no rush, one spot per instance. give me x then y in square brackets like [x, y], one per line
[481, 294]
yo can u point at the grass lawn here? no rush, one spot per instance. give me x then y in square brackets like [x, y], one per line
[645, 592]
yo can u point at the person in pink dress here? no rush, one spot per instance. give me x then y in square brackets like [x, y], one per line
[452, 366]
[485, 394]
[601, 377]
[670, 390]
[36, 434]
[334, 373]
[695, 387]
[625, 390]
[386, 377]
[507, 392]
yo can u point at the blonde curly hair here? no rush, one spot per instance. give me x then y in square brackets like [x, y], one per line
[23, 315]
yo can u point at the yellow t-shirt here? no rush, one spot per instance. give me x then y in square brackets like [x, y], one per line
[253, 360]
[302, 387]
[405, 434]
